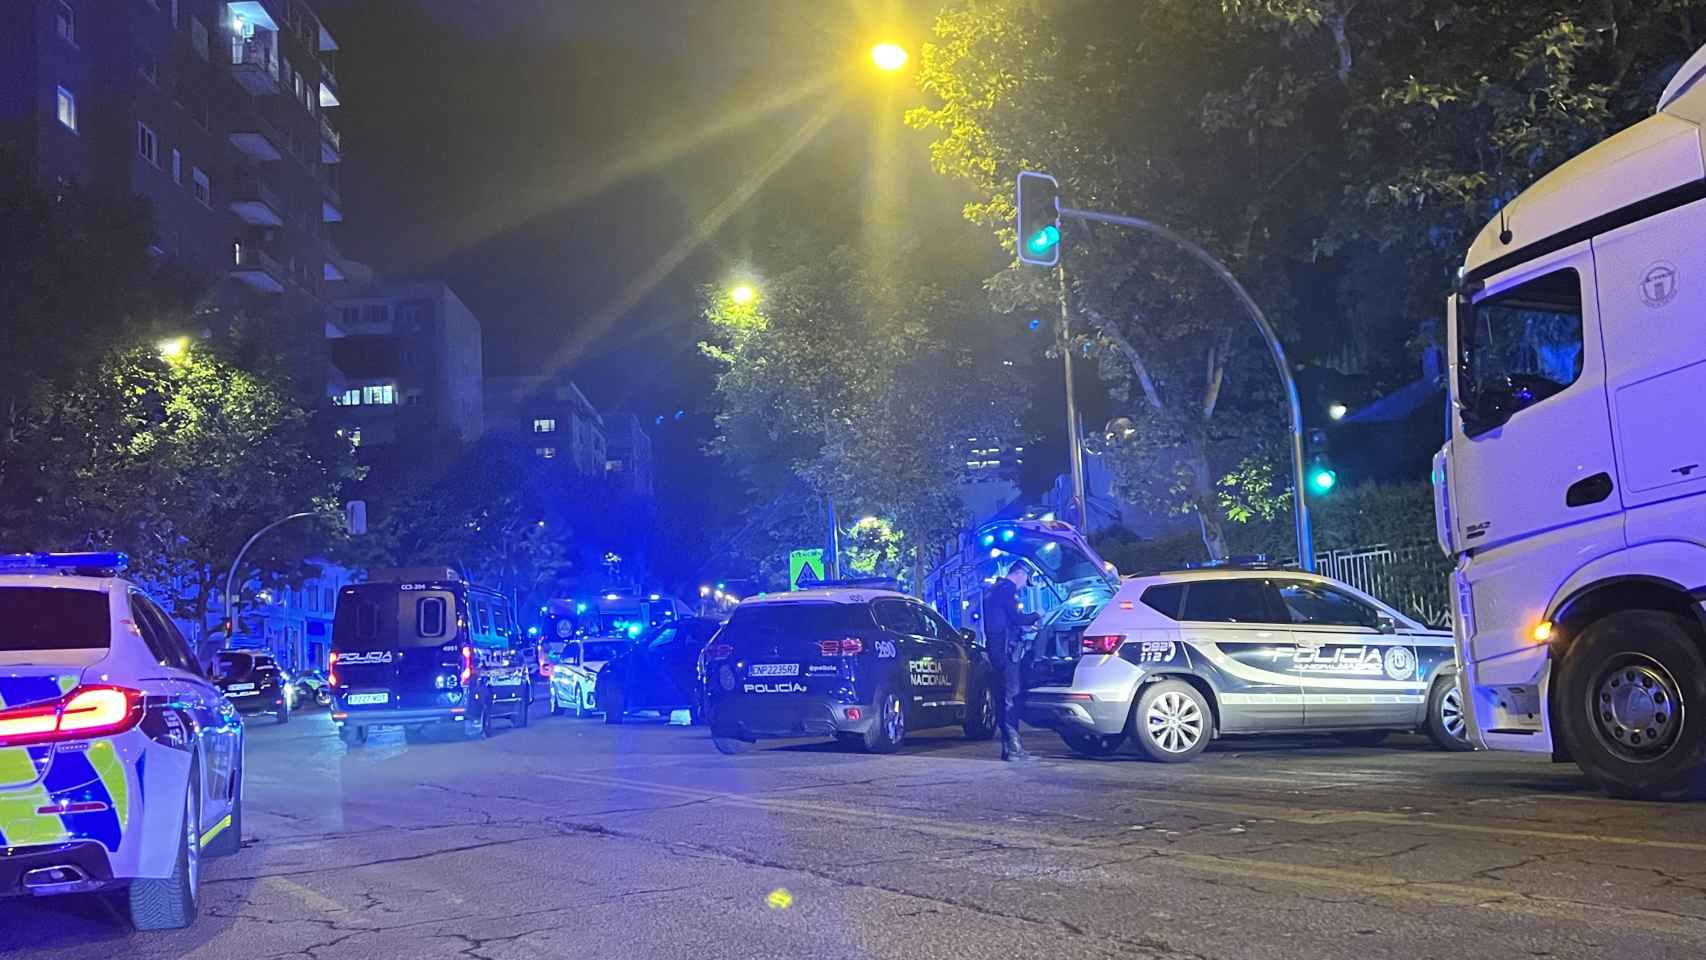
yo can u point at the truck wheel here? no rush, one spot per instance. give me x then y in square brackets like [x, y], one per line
[1447, 725]
[1625, 692]
[478, 727]
[1092, 744]
[980, 715]
[1171, 722]
[172, 903]
[889, 731]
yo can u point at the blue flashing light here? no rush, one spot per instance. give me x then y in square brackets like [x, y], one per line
[533, 631]
[633, 630]
[1035, 323]
[1008, 534]
[111, 562]
[580, 607]
[989, 539]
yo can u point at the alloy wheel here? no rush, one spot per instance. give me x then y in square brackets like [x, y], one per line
[1174, 722]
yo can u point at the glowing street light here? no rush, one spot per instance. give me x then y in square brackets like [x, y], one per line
[743, 294]
[174, 348]
[1337, 411]
[888, 57]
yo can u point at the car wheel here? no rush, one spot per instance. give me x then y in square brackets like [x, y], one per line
[1626, 690]
[980, 716]
[1171, 722]
[614, 705]
[230, 839]
[1447, 726]
[729, 746]
[1363, 738]
[1087, 744]
[519, 718]
[283, 715]
[580, 700]
[556, 708]
[173, 902]
[889, 731]
[352, 735]
[478, 725]
[323, 697]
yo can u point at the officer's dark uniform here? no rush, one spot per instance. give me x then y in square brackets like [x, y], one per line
[1008, 650]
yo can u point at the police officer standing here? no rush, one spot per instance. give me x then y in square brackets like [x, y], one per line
[1003, 625]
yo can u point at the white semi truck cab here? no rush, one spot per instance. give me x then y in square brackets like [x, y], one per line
[1572, 490]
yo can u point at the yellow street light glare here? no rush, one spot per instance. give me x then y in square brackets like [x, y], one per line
[743, 294]
[175, 347]
[888, 56]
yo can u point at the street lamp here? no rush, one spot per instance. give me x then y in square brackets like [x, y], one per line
[173, 348]
[743, 294]
[888, 57]
[1337, 411]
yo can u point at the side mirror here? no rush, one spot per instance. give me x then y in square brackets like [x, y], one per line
[1386, 624]
[971, 637]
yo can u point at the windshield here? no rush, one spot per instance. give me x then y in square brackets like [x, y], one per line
[597, 652]
[44, 618]
[1521, 346]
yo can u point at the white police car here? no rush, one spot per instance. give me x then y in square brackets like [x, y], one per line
[120, 763]
[1173, 660]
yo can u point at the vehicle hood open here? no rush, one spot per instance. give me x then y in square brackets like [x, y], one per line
[1055, 551]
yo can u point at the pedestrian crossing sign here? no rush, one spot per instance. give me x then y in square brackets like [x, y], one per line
[805, 569]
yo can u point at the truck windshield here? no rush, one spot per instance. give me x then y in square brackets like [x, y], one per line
[1522, 345]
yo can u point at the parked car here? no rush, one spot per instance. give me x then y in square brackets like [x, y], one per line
[1173, 660]
[573, 672]
[659, 673]
[253, 681]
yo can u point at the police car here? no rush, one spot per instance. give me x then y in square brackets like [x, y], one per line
[861, 664]
[1173, 660]
[121, 765]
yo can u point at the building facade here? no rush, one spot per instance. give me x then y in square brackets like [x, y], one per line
[628, 455]
[563, 423]
[220, 114]
[405, 356]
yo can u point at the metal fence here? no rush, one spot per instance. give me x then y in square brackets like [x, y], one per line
[1413, 579]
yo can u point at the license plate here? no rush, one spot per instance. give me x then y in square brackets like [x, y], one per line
[240, 694]
[773, 670]
[241, 686]
[360, 699]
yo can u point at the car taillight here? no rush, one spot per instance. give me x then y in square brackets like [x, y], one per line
[848, 647]
[332, 669]
[1103, 643]
[467, 664]
[719, 651]
[92, 711]
[545, 669]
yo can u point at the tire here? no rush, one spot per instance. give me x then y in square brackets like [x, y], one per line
[323, 697]
[556, 709]
[614, 705]
[980, 714]
[351, 735]
[1171, 722]
[1363, 738]
[1625, 692]
[174, 902]
[230, 840]
[283, 715]
[580, 701]
[730, 746]
[1093, 744]
[478, 727]
[1447, 725]
[520, 717]
[889, 731]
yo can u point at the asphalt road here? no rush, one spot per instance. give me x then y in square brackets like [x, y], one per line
[575, 839]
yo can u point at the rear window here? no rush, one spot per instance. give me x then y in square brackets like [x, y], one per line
[1165, 599]
[1228, 601]
[382, 617]
[46, 618]
[805, 622]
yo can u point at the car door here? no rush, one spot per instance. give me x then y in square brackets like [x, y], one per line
[1235, 630]
[950, 651]
[1354, 668]
[680, 663]
[218, 728]
[647, 679]
[924, 677]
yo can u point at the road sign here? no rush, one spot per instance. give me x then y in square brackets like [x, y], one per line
[805, 569]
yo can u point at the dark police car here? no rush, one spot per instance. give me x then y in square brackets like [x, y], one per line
[253, 683]
[423, 648]
[658, 672]
[860, 664]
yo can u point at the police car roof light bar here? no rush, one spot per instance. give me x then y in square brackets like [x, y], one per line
[106, 563]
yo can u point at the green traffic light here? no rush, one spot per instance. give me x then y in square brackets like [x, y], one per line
[1045, 238]
[1322, 480]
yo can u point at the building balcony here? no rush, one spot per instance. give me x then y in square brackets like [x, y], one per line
[331, 205]
[257, 269]
[258, 141]
[255, 203]
[331, 142]
[254, 63]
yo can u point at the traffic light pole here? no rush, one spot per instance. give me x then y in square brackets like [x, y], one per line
[1305, 543]
[1074, 431]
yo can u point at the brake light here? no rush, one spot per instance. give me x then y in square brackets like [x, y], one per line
[719, 651]
[1103, 643]
[467, 664]
[92, 711]
[545, 669]
[332, 670]
[848, 647]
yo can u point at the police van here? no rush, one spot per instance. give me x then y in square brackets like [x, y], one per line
[423, 649]
[862, 664]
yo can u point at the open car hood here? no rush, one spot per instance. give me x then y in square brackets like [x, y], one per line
[1055, 551]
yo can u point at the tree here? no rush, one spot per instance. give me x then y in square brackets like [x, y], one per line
[860, 385]
[177, 460]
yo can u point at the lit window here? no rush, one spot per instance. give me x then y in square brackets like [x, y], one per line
[147, 144]
[203, 188]
[383, 393]
[198, 36]
[545, 425]
[65, 21]
[546, 453]
[67, 110]
[349, 398]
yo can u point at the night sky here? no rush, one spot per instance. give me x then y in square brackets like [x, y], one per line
[553, 160]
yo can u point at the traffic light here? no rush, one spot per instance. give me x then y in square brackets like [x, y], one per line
[1320, 476]
[1038, 205]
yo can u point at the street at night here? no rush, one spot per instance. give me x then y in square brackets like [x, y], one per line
[573, 838]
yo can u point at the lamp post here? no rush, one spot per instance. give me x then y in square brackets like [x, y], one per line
[231, 575]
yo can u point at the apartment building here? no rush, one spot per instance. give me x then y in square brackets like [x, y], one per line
[405, 356]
